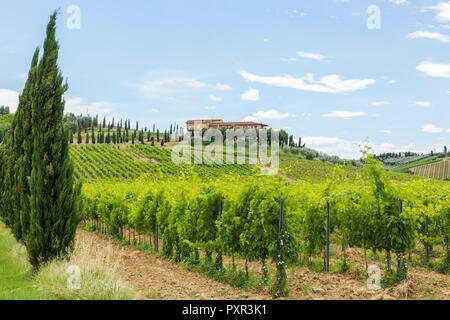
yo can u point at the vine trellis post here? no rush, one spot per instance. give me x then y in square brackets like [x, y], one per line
[156, 228]
[328, 238]
[427, 252]
[399, 258]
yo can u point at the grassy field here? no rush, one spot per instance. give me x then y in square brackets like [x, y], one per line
[19, 282]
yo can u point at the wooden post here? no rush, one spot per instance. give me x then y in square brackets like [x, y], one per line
[156, 230]
[400, 210]
[280, 219]
[328, 238]
[427, 253]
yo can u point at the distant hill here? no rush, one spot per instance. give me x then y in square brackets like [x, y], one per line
[436, 170]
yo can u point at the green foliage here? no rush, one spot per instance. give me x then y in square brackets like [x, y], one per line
[39, 187]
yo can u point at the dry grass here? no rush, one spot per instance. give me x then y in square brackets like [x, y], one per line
[98, 277]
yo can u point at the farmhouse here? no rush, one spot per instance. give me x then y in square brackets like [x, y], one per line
[219, 124]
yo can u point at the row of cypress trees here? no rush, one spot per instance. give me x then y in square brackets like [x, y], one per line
[40, 200]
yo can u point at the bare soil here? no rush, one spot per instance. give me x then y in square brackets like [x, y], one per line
[154, 277]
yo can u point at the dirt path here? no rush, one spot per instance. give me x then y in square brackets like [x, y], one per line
[156, 278]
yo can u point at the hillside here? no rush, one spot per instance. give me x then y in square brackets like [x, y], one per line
[128, 161]
[435, 170]
[133, 161]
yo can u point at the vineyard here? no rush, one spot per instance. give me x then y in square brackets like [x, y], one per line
[269, 219]
[318, 171]
[132, 161]
[437, 170]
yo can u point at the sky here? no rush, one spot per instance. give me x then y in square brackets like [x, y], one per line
[334, 72]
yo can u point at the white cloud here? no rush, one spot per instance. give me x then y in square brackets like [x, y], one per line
[343, 148]
[266, 40]
[443, 11]
[215, 98]
[387, 145]
[386, 131]
[319, 141]
[431, 128]
[314, 56]
[424, 104]
[381, 103]
[392, 81]
[435, 70]
[171, 86]
[250, 119]
[446, 26]
[196, 84]
[250, 95]
[165, 86]
[330, 84]
[288, 59]
[429, 35]
[222, 87]
[9, 98]
[156, 110]
[398, 2]
[295, 13]
[269, 115]
[344, 114]
[210, 108]
[77, 105]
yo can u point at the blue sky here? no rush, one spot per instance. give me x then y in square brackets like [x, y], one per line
[314, 68]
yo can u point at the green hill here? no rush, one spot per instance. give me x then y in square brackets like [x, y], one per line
[428, 160]
[128, 161]
[131, 161]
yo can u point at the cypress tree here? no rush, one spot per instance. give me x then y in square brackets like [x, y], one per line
[93, 136]
[54, 196]
[18, 159]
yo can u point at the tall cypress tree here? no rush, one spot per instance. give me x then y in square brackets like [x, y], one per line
[54, 196]
[24, 164]
[93, 136]
[17, 159]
